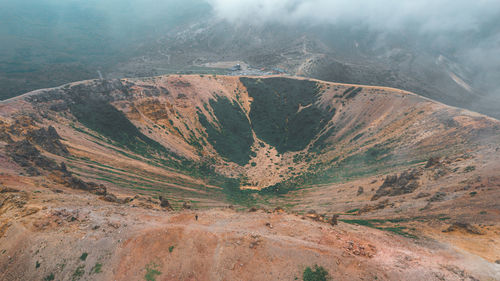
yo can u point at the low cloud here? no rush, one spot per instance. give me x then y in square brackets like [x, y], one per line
[466, 31]
[426, 15]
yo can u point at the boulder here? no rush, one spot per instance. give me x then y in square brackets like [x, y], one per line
[394, 185]
[334, 220]
[186, 206]
[165, 204]
[360, 191]
[279, 210]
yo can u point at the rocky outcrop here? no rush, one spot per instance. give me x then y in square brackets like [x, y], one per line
[437, 197]
[360, 191]
[76, 183]
[186, 206]
[5, 137]
[29, 157]
[464, 226]
[312, 214]
[433, 161]
[110, 197]
[395, 185]
[334, 220]
[49, 140]
[379, 206]
[165, 204]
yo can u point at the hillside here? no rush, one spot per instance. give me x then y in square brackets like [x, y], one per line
[98, 167]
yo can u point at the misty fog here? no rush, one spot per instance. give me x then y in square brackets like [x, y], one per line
[46, 43]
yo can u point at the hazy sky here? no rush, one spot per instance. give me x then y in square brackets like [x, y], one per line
[77, 28]
[380, 14]
[469, 27]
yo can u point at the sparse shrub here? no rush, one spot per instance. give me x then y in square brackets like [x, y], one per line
[318, 274]
[49, 277]
[79, 271]
[37, 265]
[352, 211]
[253, 164]
[84, 256]
[469, 169]
[97, 268]
[171, 248]
[473, 193]
[151, 272]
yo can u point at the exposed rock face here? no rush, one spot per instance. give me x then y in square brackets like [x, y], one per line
[395, 185]
[11, 198]
[465, 226]
[76, 183]
[380, 205]
[334, 220]
[110, 197]
[437, 197]
[49, 140]
[422, 195]
[433, 161]
[28, 156]
[165, 204]
[360, 191]
[5, 137]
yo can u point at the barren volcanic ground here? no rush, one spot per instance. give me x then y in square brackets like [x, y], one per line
[205, 177]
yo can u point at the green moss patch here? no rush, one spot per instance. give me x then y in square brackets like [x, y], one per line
[231, 136]
[105, 119]
[316, 274]
[284, 112]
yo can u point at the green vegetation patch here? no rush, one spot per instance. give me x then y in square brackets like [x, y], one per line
[353, 93]
[97, 268]
[105, 119]
[79, 272]
[232, 135]
[352, 211]
[316, 274]
[469, 169]
[284, 112]
[84, 256]
[151, 272]
[49, 277]
[379, 224]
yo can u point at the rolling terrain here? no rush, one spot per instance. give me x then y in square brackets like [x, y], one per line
[209, 177]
